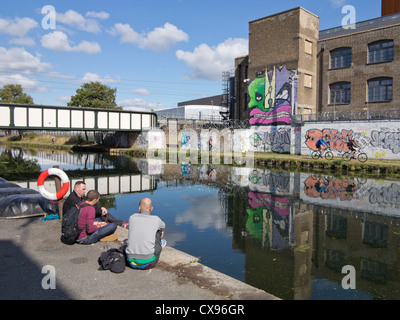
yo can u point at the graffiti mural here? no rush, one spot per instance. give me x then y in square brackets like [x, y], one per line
[269, 220]
[276, 139]
[386, 140]
[379, 140]
[337, 140]
[271, 98]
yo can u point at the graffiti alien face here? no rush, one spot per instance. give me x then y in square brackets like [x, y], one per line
[256, 93]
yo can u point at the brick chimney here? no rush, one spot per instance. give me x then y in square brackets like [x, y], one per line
[390, 7]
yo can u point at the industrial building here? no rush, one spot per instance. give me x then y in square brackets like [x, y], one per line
[294, 68]
[208, 109]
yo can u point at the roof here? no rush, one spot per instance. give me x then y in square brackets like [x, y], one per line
[380, 22]
[214, 100]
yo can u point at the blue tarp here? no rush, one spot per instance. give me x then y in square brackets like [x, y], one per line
[17, 202]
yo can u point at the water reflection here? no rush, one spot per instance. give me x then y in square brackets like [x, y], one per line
[287, 233]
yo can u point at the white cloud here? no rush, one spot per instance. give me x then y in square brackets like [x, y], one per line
[144, 92]
[17, 67]
[76, 20]
[99, 15]
[160, 39]
[337, 3]
[138, 105]
[26, 83]
[23, 41]
[209, 62]
[58, 41]
[17, 27]
[94, 77]
[127, 34]
[20, 61]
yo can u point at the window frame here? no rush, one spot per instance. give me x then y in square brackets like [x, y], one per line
[344, 60]
[384, 91]
[343, 98]
[379, 53]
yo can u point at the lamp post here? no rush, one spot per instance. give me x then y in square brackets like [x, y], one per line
[294, 78]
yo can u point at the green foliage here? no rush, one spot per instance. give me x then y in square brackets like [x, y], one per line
[32, 135]
[94, 95]
[13, 93]
[14, 165]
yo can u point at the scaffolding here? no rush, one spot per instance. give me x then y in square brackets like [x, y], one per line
[226, 75]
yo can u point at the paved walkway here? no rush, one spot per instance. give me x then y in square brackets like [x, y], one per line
[28, 245]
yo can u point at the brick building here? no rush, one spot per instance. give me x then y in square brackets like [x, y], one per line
[339, 69]
[358, 68]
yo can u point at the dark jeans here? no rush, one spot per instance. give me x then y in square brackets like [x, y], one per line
[99, 234]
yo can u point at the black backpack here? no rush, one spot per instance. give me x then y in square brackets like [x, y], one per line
[113, 260]
[70, 230]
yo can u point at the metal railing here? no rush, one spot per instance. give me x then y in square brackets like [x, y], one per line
[366, 115]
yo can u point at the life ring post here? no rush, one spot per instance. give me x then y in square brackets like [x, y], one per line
[63, 186]
[58, 183]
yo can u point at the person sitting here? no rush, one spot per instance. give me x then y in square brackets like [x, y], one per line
[145, 234]
[320, 143]
[92, 230]
[77, 196]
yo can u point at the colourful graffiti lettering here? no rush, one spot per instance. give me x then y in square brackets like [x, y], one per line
[327, 188]
[386, 140]
[271, 97]
[337, 140]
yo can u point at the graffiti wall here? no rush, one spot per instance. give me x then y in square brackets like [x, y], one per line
[379, 140]
[267, 139]
[271, 98]
[363, 195]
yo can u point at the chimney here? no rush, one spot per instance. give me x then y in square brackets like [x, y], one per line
[390, 7]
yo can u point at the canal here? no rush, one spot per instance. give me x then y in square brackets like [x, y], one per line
[290, 234]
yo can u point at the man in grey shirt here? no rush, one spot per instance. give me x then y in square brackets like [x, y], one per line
[144, 242]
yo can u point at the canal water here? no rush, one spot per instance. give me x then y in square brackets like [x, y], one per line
[298, 236]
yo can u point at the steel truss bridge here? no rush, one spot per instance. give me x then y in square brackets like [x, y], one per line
[52, 118]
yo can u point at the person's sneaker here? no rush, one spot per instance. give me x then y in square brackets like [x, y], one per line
[125, 225]
[163, 243]
[111, 237]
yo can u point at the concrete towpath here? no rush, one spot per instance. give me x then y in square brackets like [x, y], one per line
[29, 248]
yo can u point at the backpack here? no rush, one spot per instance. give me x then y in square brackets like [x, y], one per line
[70, 230]
[113, 260]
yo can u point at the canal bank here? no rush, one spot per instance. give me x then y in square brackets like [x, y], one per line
[29, 248]
[291, 162]
[269, 160]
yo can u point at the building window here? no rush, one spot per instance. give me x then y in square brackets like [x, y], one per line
[340, 93]
[341, 58]
[380, 89]
[308, 80]
[308, 47]
[380, 51]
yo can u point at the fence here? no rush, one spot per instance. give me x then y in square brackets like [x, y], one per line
[368, 115]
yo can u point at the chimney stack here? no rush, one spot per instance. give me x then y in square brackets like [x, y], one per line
[390, 7]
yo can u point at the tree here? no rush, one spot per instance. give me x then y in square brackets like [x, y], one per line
[94, 95]
[13, 93]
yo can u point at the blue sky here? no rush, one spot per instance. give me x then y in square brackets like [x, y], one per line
[156, 53]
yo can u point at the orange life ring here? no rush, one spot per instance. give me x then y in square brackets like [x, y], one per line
[64, 180]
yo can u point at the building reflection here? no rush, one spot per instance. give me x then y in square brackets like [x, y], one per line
[296, 231]
[290, 244]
